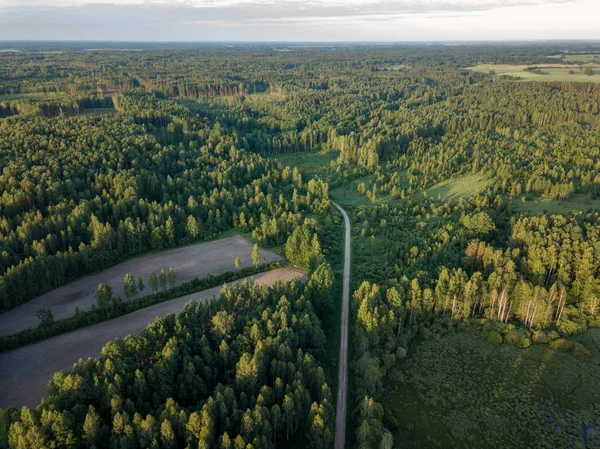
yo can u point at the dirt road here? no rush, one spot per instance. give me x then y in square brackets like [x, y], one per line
[340, 414]
[200, 260]
[25, 372]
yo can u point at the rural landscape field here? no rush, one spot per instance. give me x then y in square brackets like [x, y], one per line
[200, 260]
[270, 224]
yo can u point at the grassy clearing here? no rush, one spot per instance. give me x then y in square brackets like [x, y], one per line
[456, 189]
[42, 96]
[347, 195]
[549, 73]
[595, 58]
[309, 163]
[462, 392]
[575, 204]
[398, 67]
[264, 97]
[98, 111]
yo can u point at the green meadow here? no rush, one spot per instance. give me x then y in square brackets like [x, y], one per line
[547, 74]
[574, 204]
[462, 392]
[459, 188]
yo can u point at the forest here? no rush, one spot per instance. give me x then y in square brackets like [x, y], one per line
[474, 199]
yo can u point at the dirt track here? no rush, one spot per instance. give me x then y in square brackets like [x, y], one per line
[188, 262]
[340, 414]
[25, 372]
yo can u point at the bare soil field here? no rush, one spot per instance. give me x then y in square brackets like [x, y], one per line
[25, 372]
[199, 260]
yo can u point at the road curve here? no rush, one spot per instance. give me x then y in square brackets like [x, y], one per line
[340, 415]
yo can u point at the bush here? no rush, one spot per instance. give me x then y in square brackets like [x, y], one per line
[524, 342]
[517, 338]
[493, 337]
[512, 338]
[577, 350]
[540, 337]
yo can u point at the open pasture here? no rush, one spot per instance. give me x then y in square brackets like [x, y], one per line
[549, 72]
[188, 262]
[25, 372]
[584, 58]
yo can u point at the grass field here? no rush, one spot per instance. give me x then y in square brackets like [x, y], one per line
[550, 73]
[574, 204]
[460, 392]
[398, 67]
[199, 260]
[25, 372]
[578, 58]
[34, 95]
[455, 189]
[308, 162]
[98, 111]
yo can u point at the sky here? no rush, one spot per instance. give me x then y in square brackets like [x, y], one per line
[299, 20]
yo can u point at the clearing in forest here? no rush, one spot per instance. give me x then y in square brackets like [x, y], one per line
[199, 260]
[25, 372]
[544, 72]
[574, 204]
[584, 58]
[459, 188]
[310, 163]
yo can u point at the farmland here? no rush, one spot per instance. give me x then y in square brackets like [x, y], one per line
[543, 72]
[25, 372]
[582, 58]
[198, 260]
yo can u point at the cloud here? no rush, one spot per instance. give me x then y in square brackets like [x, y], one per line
[364, 6]
[297, 19]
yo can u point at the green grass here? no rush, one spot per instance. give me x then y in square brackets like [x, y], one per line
[398, 67]
[460, 392]
[347, 195]
[577, 58]
[456, 189]
[98, 111]
[264, 97]
[308, 162]
[574, 204]
[549, 73]
[34, 95]
[12, 97]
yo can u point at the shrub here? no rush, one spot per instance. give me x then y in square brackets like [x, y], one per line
[494, 337]
[576, 349]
